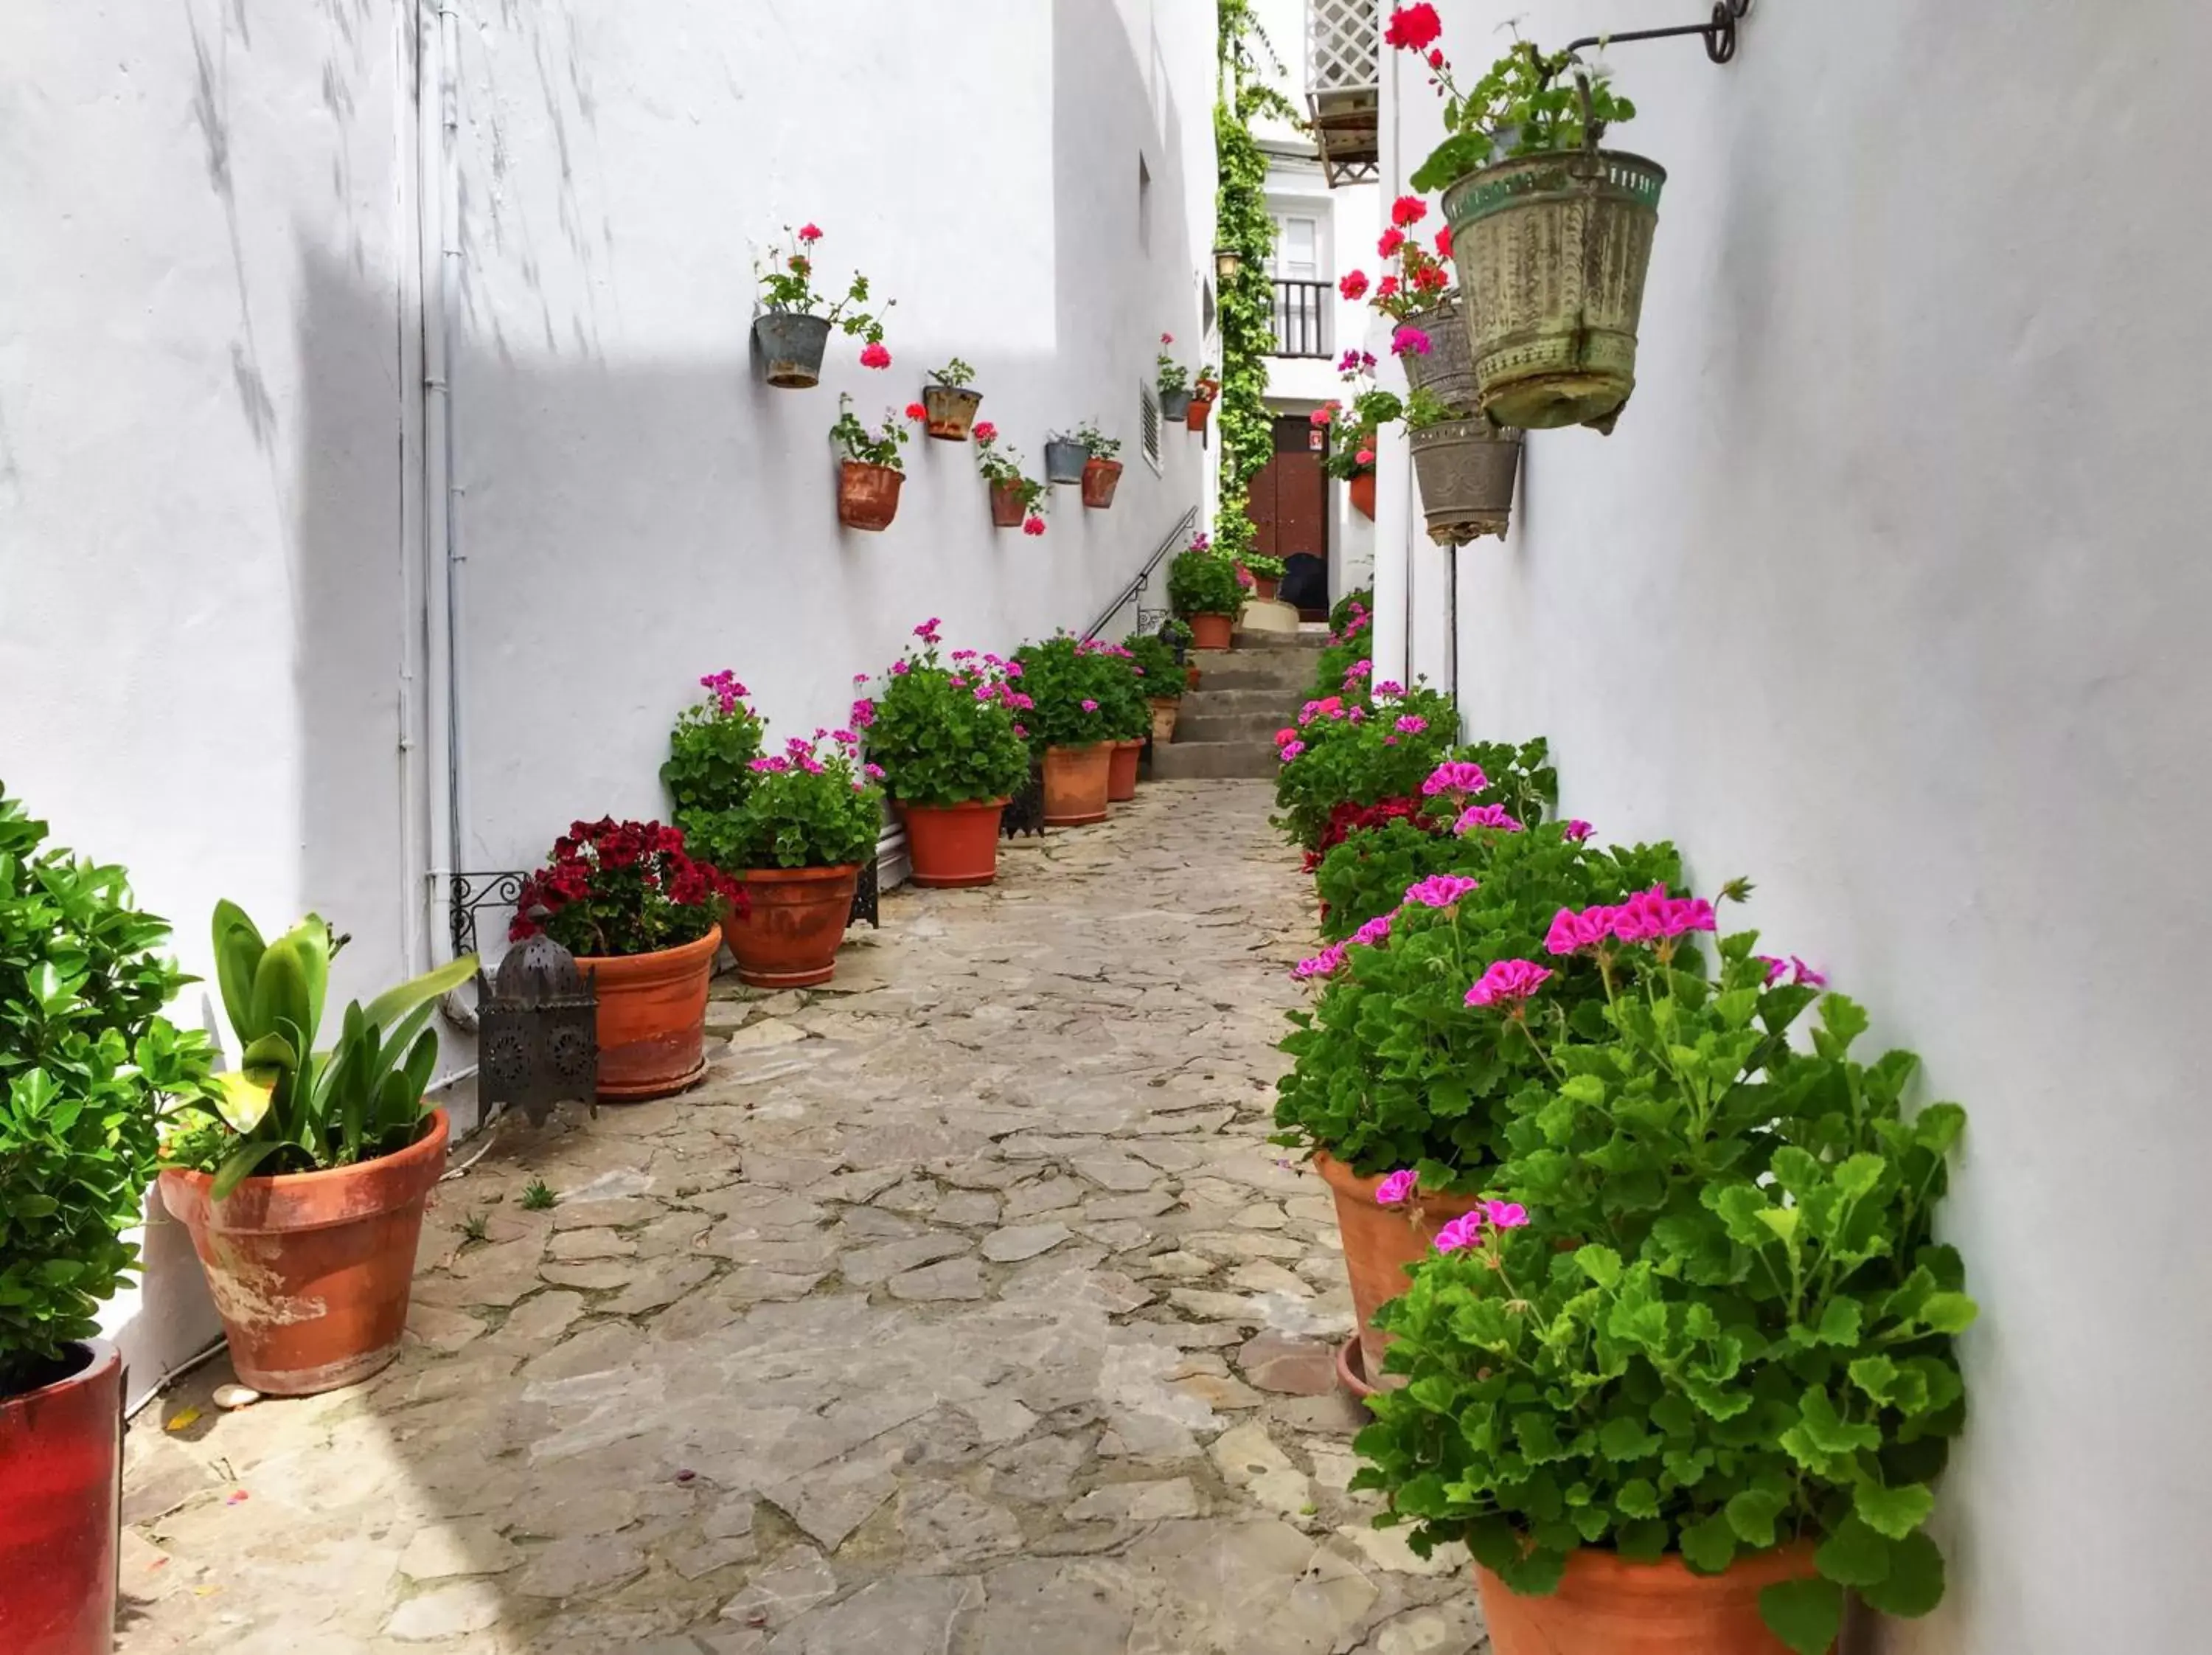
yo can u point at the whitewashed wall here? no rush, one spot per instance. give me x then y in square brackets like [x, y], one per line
[1890, 592]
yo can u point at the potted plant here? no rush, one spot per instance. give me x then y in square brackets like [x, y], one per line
[1203, 391]
[952, 748]
[303, 1181]
[1101, 472]
[1069, 688]
[1124, 713]
[1260, 574]
[1706, 1297]
[1428, 336]
[712, 749]
[1465, 467]
[643, 919]
[1358, 745]
[794, 845]
[1203, 590]
[950, 405]
[1154, 658]
[1551, 233]
[86, 1059]
[1174, 384]
[870, 476]
[792, 335]
[1065, 458]
[1017, 500]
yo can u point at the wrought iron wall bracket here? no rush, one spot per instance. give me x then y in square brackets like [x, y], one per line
[1719, 34]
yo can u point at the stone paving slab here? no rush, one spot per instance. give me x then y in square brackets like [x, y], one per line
[964, 1309]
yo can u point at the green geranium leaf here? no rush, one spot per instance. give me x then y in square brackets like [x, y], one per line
[1806, 1614]
[1893, 1512]
[1751, 1514]
[1854, 1556]
[1839, 1323]
[1948, 1312]
[1641, 1542]
[1914, 1584]
[1709, 1547]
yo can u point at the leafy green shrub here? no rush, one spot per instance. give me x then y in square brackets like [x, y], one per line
[1262, 567]
[1163, 677]
[1202, 581]
[1391, 1068]
[1351, 634]
[1712, 1317]
[85, 1059]
[1078, 693]
[1122, 704]
[946, 734]
[1345, 751]
[810, 805]
[712, 748]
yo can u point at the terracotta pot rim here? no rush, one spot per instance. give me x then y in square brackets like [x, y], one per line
[1339, 1177]
[1103, 463]
[633, 967]
[799, 875]
[435, 1127]
[101, 1356]
[1791, 1559]
[998, 803]
[1086, 748]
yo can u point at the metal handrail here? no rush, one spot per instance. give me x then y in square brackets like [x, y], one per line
[1177, 536]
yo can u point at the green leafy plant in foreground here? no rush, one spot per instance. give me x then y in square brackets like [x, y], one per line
[1202, 581]
[1710, 1318]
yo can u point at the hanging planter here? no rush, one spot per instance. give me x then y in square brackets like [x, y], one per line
[792, 333]
[1176, 406]
[1174, 384]
[1017, 500]
[1202, 397]
[1465, 469]
[1446, 368]
[871, 474]
[1100, 478]
[1362, 495]
[1064, 459]
[1008, 507]
[950, 407]
[791, 348]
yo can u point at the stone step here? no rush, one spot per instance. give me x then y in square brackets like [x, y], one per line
[1254, 638]
[1277, 702]
[1208, 725]
[1254, 669]
[1201, 761]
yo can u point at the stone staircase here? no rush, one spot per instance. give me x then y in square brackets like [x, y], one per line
[1244, 695]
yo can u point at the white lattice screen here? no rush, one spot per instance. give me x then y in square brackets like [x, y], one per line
[1343, 43]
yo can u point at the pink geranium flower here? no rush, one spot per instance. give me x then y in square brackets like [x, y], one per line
[1411, 724]
[1486, 815]
[1506, 1214]
[1376, 932]
[1572, 931]
[1510, 983]
[1397, 1189]
[1441, 889]
[1578, 828]
[1290, 750]
[1459, 1233]
[1457, 775]
[875, 355]
[1324, 963]
[1088, 705]
[1409, 340]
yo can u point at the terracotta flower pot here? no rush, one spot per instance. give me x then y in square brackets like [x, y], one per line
[1121, 772]
[61, 1477]
[1201, 405]
[1190, 676]
[653, 1018]
[1006, 505]
[1379, 1243]
[1212, 631]
[1075, 783]
[1362, 495]
[953, 846]
[1608, 1607]
[950, 410]
[1100, 478]
[789, 938]
[1165, 710]
[867, 495]
[1264, 588]
[310, 1271]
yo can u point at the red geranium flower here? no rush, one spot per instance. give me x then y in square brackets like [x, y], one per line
[875, 356]
[1408, 210]
[1437, 61]
[1393, 239]
[1413, 28]
[916, 410]
[1387, 288]
[1354, 285]
[1444, 242]
[1033, 523]
[810, 233]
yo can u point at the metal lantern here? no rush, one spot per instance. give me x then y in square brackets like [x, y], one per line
[538, 1030]
[1227, 262]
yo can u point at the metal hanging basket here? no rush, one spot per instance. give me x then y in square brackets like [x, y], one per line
[1552, 252]
[1446, 369]
[1465, 469]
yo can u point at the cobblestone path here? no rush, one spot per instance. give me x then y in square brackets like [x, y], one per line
[964, 1310]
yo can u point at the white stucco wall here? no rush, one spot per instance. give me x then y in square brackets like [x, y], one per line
[1889, 593]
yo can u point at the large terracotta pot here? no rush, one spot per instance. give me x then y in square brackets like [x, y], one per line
[1362, 495]
[1165, 710]
[653, 1018]
[1075, 781]
[1212, 631]
[1608, 1607]
[61, 1480]
[1006, 505]
[867, 495]
[953, 846]
[1121, 771]
[1379, 1243]
[951, 410]
[1100, 478]
[796, 917]
[310, 1271]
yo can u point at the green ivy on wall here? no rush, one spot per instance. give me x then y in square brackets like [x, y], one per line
[1245, 300]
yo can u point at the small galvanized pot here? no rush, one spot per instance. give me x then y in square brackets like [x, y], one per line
[951, 410]
[1175, 404]
[1446, 369]
[1552, 252]
[1063, 460]
[1466, 469]
[791, 348]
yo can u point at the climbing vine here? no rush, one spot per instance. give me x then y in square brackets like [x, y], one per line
[1245, 227]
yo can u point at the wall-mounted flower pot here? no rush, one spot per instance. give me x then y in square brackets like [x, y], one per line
[1121, 771]
[867, 495]
[652, 1018]
[1362, 495]
[1075, 780]
[1176, 404]
[1212, 631]
[795, 917]
[951, 410]
[1606, 1604]
[61, 1475]
[953, 846]
[1379, 1243]
[1466, 468]
[1201, 405]
[1446, 369]
[1006, 505]
[310, 1271]
[1552, 252]
[1165, 710]
[791, 348]
[1063, 460]
[1100, 478]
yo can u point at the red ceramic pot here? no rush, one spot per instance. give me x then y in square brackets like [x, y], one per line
[1263, 588]
[953, 846]
[1075, 781]
[1006, 505]
[867, 495]
[61, 1482]
[1100, 478]
[651, 1019]
[1212, 631]
[1605, 1604]
[1362, 495]
[310, 1271]
[1201, 405]
[1379, 1244]
[1121, 772]
[795, 918]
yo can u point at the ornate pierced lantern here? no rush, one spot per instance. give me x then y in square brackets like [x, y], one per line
[538, 1030]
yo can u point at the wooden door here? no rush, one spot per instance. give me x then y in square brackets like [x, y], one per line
[1288, 504]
